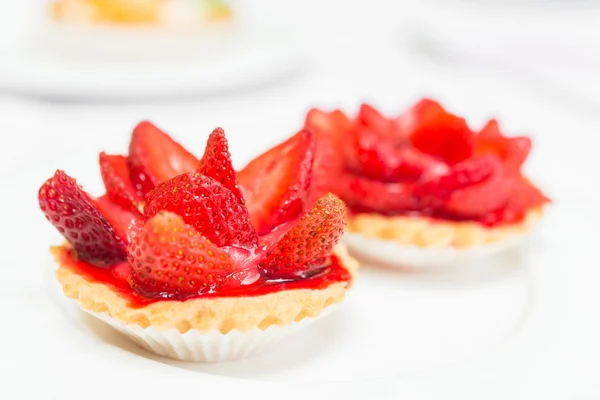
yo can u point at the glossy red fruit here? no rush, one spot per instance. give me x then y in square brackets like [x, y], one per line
[524, 197]
[155, 157]
[125, 222]
[435, 192]
[482, 198]
[119, 188]
[304, 249]
[76, 216]
[170, 259]
[372, 119]
[331, 129]
[441, 134]
[216, 163]
[205, 204]
[514, 151]
[371, 156]
[366, 195]
[407, 122]
[276, 183]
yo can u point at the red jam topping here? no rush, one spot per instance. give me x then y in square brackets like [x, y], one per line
[425, 162]
[115, 277]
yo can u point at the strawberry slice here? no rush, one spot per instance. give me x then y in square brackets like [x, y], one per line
[169, 259]
[216, 163]
[155, 157]
[523, 197]
[375, 121]
[514, 151]
[330, 128]
[276, 183]
[435, 131]
[115, 175]
[377, 158]
[125, 222]
[472, 187]
[480, 199]
[304, 249]
[77, 217]
[205, 204]
[366, 195]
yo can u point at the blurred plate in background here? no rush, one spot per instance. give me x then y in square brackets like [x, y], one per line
[252, 55]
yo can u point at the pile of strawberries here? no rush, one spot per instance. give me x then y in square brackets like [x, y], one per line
[426, 161]
[174, 226]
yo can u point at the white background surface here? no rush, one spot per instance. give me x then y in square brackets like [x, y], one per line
[528, 329]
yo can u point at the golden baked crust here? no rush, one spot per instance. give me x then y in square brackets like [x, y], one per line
[427, 232]
[224, 314]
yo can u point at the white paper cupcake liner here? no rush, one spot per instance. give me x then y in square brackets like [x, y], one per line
[212, 346]
[398, 255]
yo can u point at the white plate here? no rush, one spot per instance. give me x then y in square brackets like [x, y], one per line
[250, 55]
[378, 332]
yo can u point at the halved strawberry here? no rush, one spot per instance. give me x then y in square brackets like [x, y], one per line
[304, 249]
[472, 187]
[155, 157]
[216, 163]
[115, 175]
[331, 129]
[523, 197]
[366, 195]
[374, 157]
[375, 121]
[435, 131]
[170, 259]
[206, 205]
[276, 183]
[514, 150]
[77, 217]
[125, 222]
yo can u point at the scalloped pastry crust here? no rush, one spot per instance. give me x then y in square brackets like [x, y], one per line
[433, 233]
[222, 314]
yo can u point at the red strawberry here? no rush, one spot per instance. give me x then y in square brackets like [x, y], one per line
[78, 219]
[115, 175]
[169, 259]
[514, 151]
[206, 205]
[276, 183]
[125, 222]
[523, 197]
[435, 192]
[373, 120]
[155, 157]
[330, 129]
[378, 158]
[439, 133]
[472, 188]
[216, 163]
[304, 249]
[481, 198]
[368, 195]
[407, 122]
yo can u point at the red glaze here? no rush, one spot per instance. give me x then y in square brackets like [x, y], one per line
[114, 278]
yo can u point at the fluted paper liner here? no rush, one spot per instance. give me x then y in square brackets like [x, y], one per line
[212, 346]
[422, 243]
[206, 329]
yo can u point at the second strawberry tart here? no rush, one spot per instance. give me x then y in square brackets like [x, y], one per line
[423, 188]
[190, 263]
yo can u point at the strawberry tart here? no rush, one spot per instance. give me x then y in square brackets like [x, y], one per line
[423, 188]
[191, 262]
